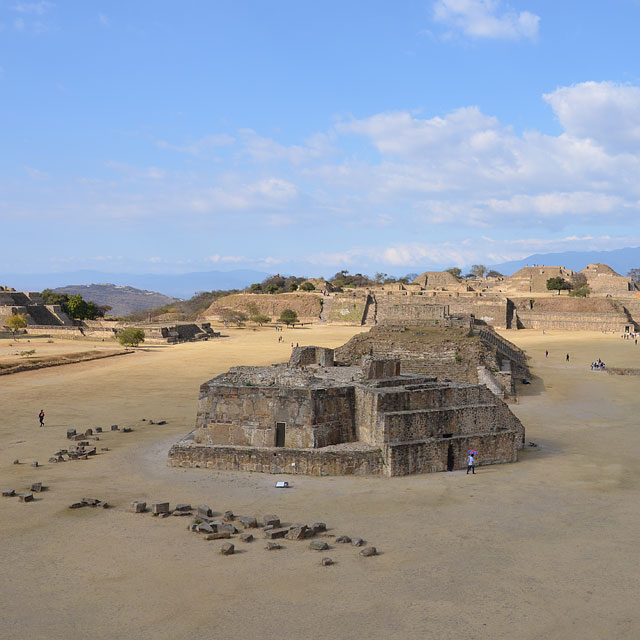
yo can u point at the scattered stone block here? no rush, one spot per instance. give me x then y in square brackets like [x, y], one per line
[77, 505]
[318, 527]
[297, 533]
[60, 459]
[161, 422]
[205, 527]
[228, 516]
[246, 537]
[227, 549]
[92, 502]
[158, 508]
[343, 539]
[326, 562]
[138, 507]
[268, 527]
[127, 429]
[183, 507]
[98, 429]
[357, 542]
[218, 535]
[271, 520]
[151, 422]
[204, 511]
[37, 487]
[8, 493]
[318, 545]
[114, 427]
[225, 526]
[181, 513]
[272, 534]
[16, 461]
[247, 522]
[26, 497]
[369, 551]
[34, 463]
[70, 433]
[53, 459]
[88, 432]
[102, 504]
[273, 546]
[165, 515]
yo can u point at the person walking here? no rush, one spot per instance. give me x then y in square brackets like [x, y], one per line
[567, 357]
[546, 353]
[471, 461]
[41, 417]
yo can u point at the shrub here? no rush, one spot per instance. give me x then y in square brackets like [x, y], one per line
[260, 319]
[289, 316]
[307, 286]
[130, 337]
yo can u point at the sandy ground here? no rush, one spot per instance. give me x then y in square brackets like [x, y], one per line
[544, 548]
[10, 349]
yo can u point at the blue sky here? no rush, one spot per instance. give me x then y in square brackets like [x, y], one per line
[310, 137]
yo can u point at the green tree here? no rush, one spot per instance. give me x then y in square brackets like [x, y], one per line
[53, 297]
[492, 273]
[307, 286]
[580, 291]
[558, 284]
[260, 318]
[272, 288]
[77, 307]
[293, 287]
[130, 337]
[232, 316]
[289, 316]
[15, 322]
[478, 270]
[456, 272]
[256, 287]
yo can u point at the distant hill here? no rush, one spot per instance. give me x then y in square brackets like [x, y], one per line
[621, 260]
[182, 285]
[122, 300]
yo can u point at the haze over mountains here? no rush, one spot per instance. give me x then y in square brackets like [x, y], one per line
[185, 285]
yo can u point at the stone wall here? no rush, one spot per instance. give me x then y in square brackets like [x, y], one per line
[432, 455]
[315, 462]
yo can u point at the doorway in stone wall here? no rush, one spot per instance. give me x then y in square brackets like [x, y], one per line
[280, 428]
[450, 458]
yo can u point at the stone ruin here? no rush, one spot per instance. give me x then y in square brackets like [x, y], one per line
[310, 416]
[31, 304]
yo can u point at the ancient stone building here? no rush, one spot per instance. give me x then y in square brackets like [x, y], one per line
[33, 307]
[310, 416]
[603, 280]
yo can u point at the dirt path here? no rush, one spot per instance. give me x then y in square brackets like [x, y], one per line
[545, 548]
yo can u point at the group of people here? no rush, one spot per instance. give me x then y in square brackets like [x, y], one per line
[598, 365]
[630, 336]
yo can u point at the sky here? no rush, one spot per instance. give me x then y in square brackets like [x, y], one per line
[297, 137]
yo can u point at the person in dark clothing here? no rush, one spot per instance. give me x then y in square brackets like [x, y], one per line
[41, 417]
[567, 357]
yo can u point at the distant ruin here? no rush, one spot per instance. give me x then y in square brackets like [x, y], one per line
[310, 416]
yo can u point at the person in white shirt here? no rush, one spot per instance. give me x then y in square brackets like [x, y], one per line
[471, 461]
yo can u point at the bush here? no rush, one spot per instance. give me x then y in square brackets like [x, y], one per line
[130, 337]
[558, 284]
[289, 316]
[15, 322]
[260, 318]
[231, 316]
[307, 286]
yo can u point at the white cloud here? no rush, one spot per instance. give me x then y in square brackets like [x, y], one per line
[486, 19]
[33, 8]
[605, 112]
[216, 258]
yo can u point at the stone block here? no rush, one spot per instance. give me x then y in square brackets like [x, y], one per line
[273, 546]
[114, 427]
[77, 505]
[34, 463]
[318, 545]
[343, 539]
[53, 459]
[369, 551]
[218, 535]
[138, 506]
[159, 507]
[183, 507]
[16, 461]
[225, 526]
[228, 516]
[37, 487]
[326, 562]
[98, 429]
[70, 433]
[88, 432]
[246, 537]
[127, 429]
[92, 502]
[271, 520]
[247, 522]
[297, 533]
[26, 497]
[8, 493]
[357, 542]
[318, 527]
[272, 534]
[102, 504]
[161, 422]
[227, 549]
[204, 511]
